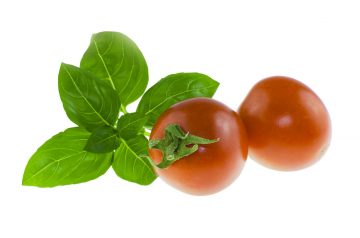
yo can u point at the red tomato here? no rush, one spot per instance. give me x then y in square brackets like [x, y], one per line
[288, 126]
[214, 166]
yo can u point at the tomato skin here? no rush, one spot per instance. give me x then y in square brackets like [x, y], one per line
[288, 126]
[214, 166]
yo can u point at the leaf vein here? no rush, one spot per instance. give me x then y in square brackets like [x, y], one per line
[104, 64]
[85, 99]
[50, 164]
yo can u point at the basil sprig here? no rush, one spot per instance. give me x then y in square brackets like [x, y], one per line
[113, 73]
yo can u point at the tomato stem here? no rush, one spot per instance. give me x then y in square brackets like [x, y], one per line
[177, 144]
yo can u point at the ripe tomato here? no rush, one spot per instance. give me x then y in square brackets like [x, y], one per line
[214, 166]
[287, 124]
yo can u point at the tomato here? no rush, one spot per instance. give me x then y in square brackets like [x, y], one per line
[288, 126]
[213, 166]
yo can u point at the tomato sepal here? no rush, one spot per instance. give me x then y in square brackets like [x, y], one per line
[177, 144]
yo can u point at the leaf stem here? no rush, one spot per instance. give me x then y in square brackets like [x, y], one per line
[123, 109]
[147, 133]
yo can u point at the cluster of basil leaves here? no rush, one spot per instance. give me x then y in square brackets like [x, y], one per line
[112, 74]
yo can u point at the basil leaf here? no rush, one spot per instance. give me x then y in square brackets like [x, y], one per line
[61, 160]
[172, 89]
[131, 162]
[116, 59]
[129, 125]
[88, 101]
[102, 140]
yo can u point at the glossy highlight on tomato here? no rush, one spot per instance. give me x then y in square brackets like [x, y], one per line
[288, 125]
[213, 166]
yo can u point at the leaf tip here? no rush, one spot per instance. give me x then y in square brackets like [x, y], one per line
[25, 181]
[62, 64]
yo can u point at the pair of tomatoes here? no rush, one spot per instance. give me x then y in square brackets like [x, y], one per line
[282, 123]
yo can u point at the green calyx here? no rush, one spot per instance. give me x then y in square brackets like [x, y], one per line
[177, 144]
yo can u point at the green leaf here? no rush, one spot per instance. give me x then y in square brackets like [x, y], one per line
[102, 140]
[116, 59]
[129, 125]
[88, 101]
[172, 89]
[131, 161]
[61, 160]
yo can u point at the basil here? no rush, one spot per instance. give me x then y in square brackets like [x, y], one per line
[112, 74]
[88, 101]
[172, 89]
[116, 59]
[130, 125]
[103, 139]
[61, 160]
[131, 161]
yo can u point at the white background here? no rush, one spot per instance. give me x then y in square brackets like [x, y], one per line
[236, 43]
